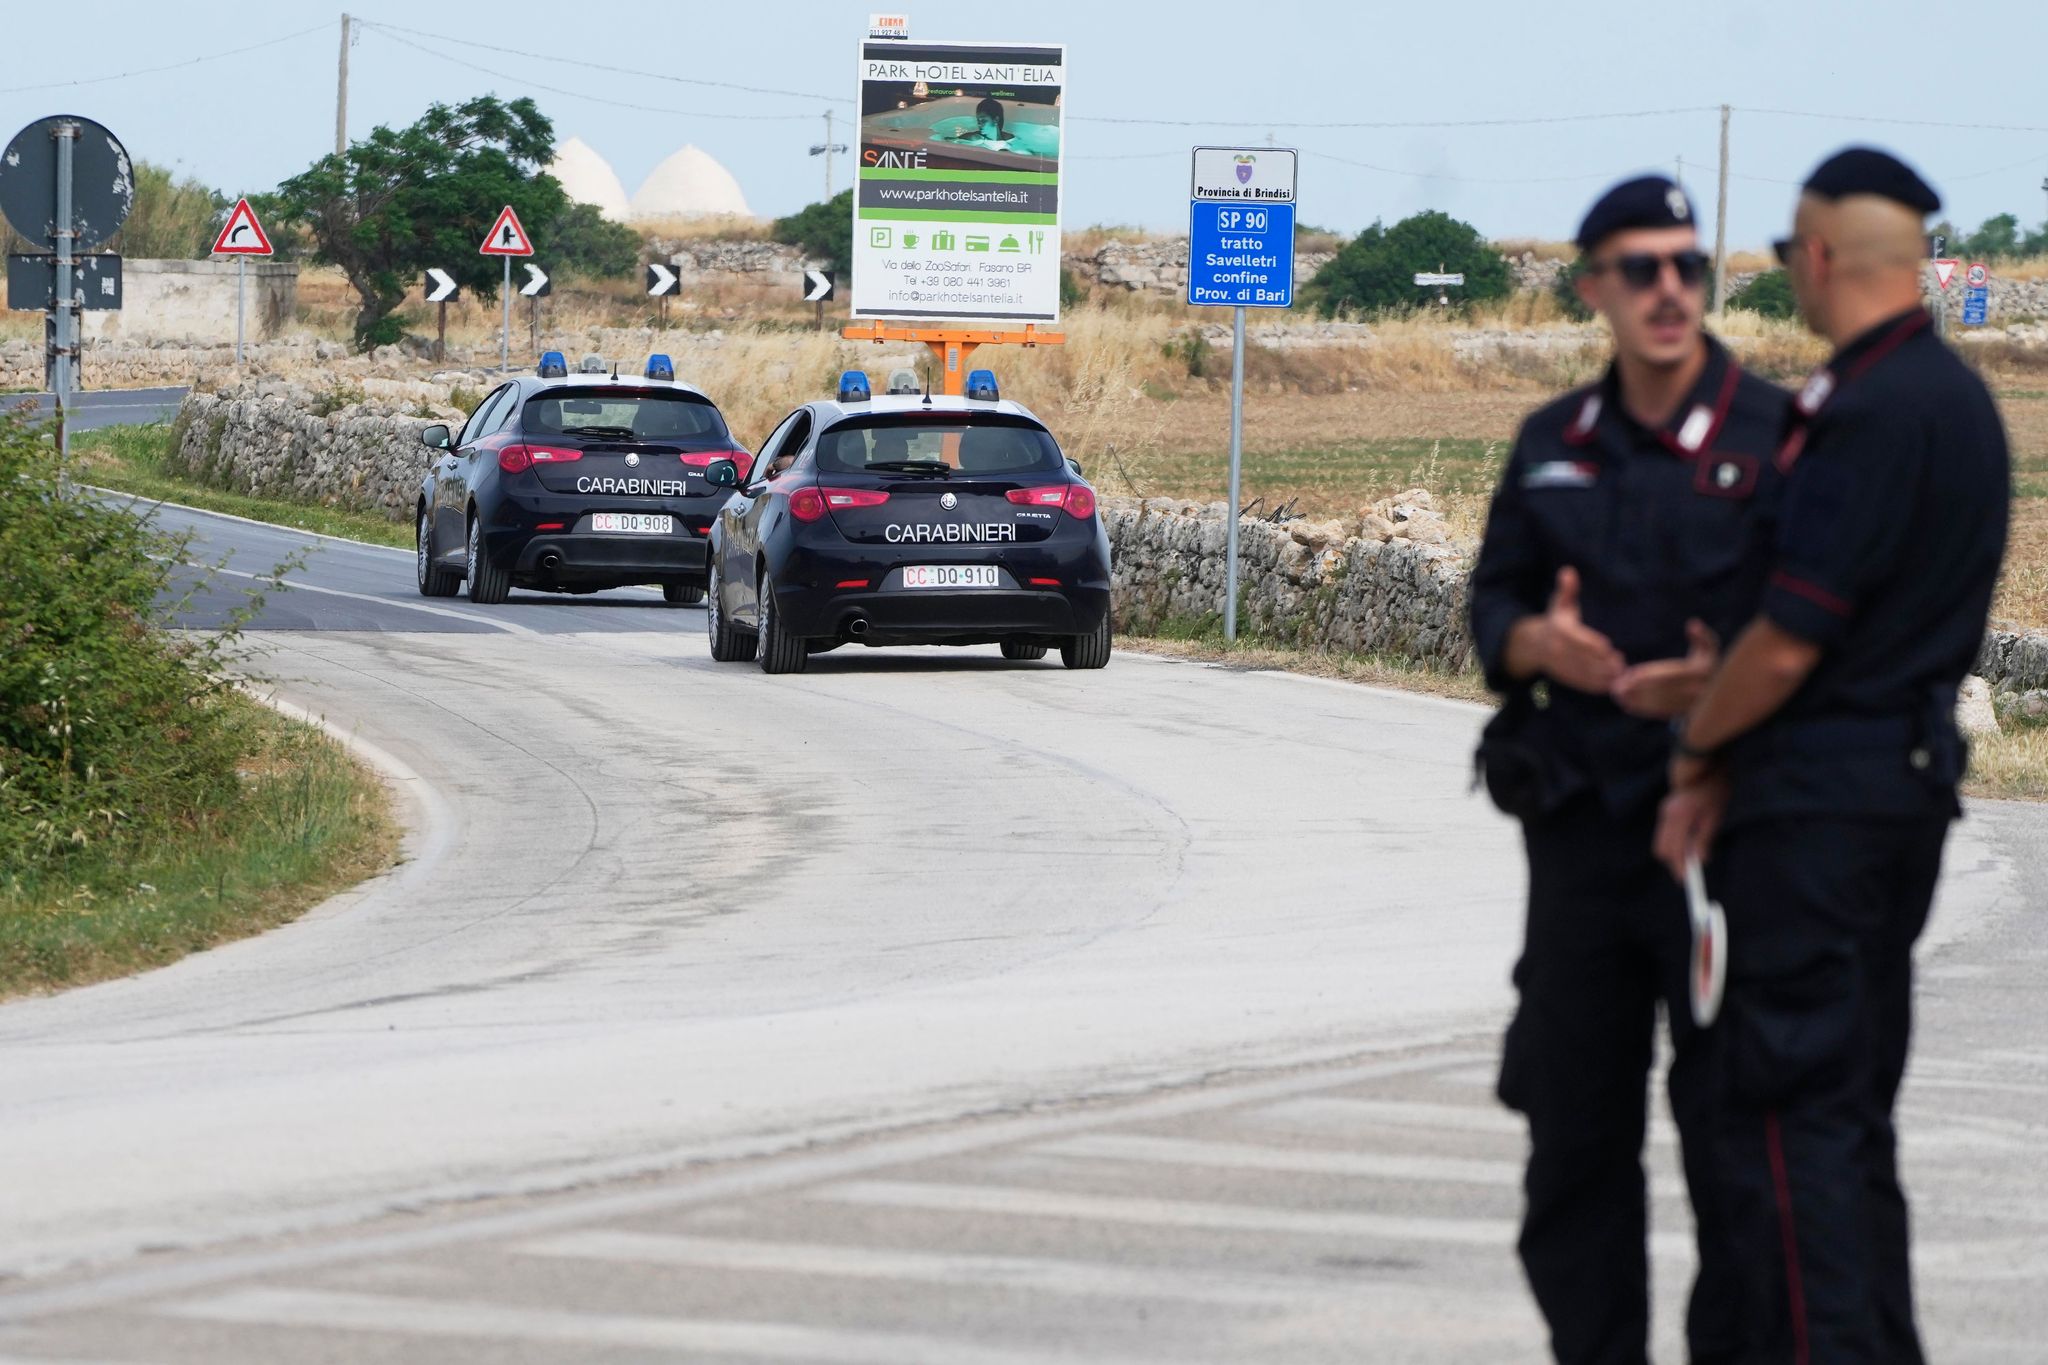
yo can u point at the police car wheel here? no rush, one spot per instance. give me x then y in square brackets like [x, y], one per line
[1090, 650]
[682, 594]
[1022, 652]
[434, 581]
[488, 584]
[781, 652]
[728, 645]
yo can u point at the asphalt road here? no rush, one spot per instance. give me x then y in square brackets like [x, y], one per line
[97, 408]
[925, 1007]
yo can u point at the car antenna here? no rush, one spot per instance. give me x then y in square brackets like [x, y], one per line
[615, 369]
[927, 391]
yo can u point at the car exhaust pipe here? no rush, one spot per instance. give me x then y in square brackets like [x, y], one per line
[551, 561]
[857, 627]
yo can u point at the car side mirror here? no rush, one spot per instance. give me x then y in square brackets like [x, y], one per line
[1075, 465]
[722, 474]
[435, 437]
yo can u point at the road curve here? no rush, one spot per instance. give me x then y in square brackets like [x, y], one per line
[95, 408]
[659, 909]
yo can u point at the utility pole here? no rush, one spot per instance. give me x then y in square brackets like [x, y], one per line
[341, 94]
[1721, 226]
[827, 149]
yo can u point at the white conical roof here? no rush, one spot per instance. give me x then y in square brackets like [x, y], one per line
[689, 184]
[589, 178]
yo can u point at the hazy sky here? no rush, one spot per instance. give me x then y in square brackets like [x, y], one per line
[1239, 71]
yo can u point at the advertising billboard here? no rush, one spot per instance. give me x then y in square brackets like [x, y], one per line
[956, 206]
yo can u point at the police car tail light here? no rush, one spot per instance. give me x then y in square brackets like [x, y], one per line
[704, 459]
[854, 497]
[807, 504]
[519, 459]
[1077, 498]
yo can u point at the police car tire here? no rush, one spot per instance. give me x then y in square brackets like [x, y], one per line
[682, 594]
[1021, 652]
[781, 652]
[488, 584]
[728, 644]
[434, 580]
[1088, 651]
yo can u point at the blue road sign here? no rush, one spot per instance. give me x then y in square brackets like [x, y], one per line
[1240, 255]
[1976, 303]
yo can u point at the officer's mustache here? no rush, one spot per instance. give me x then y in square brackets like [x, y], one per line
[1667, 312]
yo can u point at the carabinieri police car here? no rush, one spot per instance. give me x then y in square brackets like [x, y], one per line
[575, 483]
[908, 520]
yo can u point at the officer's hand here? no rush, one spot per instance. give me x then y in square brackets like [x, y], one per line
[1688, 821]
[1668, 687]
[1574, 654]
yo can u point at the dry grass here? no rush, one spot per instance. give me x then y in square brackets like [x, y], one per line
[720, 227]
[2012, 766]
[1537, 247]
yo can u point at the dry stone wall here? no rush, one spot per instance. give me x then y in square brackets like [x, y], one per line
[1389, 580]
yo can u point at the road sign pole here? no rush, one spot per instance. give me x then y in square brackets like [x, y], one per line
[441, 341]
[505, 331]
[1236, 474]
[67, 317]
[241, 301]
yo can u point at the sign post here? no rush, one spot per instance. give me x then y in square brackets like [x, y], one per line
[1944, 274]
[1439, 280]
[1240, 255]
[241, 236]
[1976, 294]
[505, 240]
[66, 181]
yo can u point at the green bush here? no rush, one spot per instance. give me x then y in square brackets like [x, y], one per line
[1376, 271]
[1566, 291]
[825, 231]
[1769, 294]
[110, 730]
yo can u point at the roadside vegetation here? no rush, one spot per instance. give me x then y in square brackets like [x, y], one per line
[132, 460]
[147, 808]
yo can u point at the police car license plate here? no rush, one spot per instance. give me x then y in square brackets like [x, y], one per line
[637, 523]
[951, 576]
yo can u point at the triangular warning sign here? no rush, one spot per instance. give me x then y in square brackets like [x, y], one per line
[506, 237]
[242, 235]
[1944, 271]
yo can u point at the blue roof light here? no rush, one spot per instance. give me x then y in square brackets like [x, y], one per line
[660, 366]
[981, 386]
[553, 365]
[853, 387]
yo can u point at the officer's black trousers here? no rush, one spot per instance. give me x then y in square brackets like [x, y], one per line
[1607, 939]
[1822, 915]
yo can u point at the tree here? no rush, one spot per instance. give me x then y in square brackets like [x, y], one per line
[172, 220]
[398, 202]
[1997, 239]
[825, 231]
[1376, 270]
[1769, 294]
[583, 240]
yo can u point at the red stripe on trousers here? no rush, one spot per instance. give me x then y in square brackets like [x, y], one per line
[1802, 1353]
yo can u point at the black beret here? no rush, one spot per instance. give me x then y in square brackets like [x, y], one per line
[1651, 201]
[1866, 170]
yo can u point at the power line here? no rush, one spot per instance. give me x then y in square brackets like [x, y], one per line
[636, 105]
[168, 66]
[559, 60]
[1466, 179]
[1519, 122]
[1904, 122]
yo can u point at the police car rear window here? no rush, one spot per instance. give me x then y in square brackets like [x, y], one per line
[999, 446]
[606, 414]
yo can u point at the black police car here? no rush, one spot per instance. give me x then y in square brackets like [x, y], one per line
[907, 520]
[575, 483]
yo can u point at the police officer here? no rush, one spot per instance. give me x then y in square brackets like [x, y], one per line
[1829, 736]
[1614, 557]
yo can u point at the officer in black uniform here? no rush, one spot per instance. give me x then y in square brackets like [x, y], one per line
[1829, 735]
[1619, 548]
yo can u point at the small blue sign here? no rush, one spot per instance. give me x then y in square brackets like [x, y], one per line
[1240, 254]
[1976, 303]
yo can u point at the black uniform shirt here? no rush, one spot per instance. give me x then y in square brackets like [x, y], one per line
[1662, 526]
[1897, 488]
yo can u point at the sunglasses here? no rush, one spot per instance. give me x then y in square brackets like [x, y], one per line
[1642, 269]
[1785, 246]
